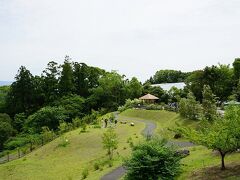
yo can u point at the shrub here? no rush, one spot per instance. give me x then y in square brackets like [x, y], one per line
[129, 104]
[153, 159]
[76, 122]
[6, 129]
[63, 141]
[97, 126]
[83, 127]
[96, 166]
[153, 107]
[47, 135]
[16, 142]
[85, 173]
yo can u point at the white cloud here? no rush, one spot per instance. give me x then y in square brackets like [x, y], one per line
[136, 37]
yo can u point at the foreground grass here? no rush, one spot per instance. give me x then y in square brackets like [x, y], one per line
[54, 162]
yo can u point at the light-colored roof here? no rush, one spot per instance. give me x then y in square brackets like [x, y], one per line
[168, 86]
[149, 97]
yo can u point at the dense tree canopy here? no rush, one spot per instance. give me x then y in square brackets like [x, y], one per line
[21, 95]
[219, 78]
[168, 76]
[47, 116]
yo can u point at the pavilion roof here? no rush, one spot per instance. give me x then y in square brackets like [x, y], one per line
[149, 97]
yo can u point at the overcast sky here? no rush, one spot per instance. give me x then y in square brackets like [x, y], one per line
[135, 37]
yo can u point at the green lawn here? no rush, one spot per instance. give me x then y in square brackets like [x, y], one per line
[165, 120]
[53, 162]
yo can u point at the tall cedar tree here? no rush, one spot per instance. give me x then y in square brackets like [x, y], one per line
[50, 79]
[66, 85]
[80, 74]
[21, 95]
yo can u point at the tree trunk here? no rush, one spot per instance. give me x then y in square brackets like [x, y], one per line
[222, 157]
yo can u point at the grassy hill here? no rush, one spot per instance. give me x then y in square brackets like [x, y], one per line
[54, 162]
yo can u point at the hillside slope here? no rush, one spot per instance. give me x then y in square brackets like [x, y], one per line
[54, 162]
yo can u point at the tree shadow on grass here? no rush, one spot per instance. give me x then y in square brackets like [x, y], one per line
[232, 172]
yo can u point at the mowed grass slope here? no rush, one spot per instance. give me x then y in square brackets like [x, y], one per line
[165, 120]
[53, 162]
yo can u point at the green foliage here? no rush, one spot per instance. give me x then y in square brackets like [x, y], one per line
[134, 88]
[16, 142]
[236, 68]
[63, 127]
[6, 129]
[195, 83]
[21, 95]
[3, 95]
[19, 120]
[50, 79]
[222, 135]
[219, 78]
[76, 122]
[47, 116]
[110, 142]
[66, 85]
[47, 135]
[85, 173]
[190, 108]
[91, 118]
[209, 104]
[64, 142]
[168, 76]
[154, 160]
[85, 78]
[110, 93]
[83, 127]
[236, 93]
[176, 94]
[153, 107]
[96, 166]
[73, 104]
[129, 104]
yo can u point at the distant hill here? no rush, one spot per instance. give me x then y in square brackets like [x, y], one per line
[5, 83]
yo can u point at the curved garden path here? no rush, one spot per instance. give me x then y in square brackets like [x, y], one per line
[120, 171]
[147, 131]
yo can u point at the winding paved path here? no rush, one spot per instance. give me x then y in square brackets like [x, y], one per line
[120, 171]
[147, 131]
